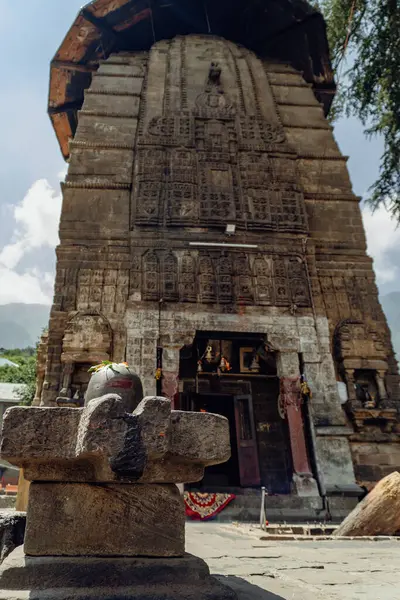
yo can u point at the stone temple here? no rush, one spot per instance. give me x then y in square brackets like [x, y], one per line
[210, 237]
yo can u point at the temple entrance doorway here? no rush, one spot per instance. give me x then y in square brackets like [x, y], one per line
[226, 474]
[235, 375]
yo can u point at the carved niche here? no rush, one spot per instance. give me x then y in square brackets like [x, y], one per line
[243, 281]
[299, 286]
[187, 279]
[214, 102]
[355, 341]
[208, 286]
[151, 276]
[87, 338]
[225, 279]
[281, 283]
[87, 341]
[205, 163]
[170, 277]
[149, 179]
[264, 282]
[181, 188]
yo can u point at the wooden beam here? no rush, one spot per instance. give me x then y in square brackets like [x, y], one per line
[99, 23]
[67, 107]
[71, 66]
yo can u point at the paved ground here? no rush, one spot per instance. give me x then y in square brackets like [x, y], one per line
[289, 570]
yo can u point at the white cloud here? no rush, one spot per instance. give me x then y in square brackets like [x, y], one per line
[36, 219]
[383, 241]
[25, 288]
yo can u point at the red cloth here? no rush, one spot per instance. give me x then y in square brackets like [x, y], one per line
[204, 506]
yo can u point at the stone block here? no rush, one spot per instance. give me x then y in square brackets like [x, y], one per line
[109, 444]
[199, 437]
[20, 437]
[303, 116]
[118, 85]
[12, 531]
[333, 454]
[325, 176]
[126, 106]
[94, 213]
[154, 417]
[105, 520]
[317, 141]
[109, 578]
[106, 130]
[114, 166]
[120, 69]
[295, 95]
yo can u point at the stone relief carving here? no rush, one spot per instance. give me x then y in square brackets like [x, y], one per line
[225, 278]
[151, 276]
[209, 161]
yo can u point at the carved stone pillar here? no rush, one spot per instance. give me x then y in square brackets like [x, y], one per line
[170, 386]
[303, 482]
[65, 391]
[40, 368]
[380, 382]
[351, 389]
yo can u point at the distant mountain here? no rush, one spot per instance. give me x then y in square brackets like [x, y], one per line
[21, 325]
[391, 306]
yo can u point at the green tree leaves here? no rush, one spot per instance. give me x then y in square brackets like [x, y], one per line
[25, 373]
[367, 34]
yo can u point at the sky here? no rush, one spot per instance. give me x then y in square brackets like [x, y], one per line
[31, 166]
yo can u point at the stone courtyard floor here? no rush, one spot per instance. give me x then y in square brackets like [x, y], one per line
[296, 570]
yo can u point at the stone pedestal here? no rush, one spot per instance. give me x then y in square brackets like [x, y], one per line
[103, 492]
[94, 578]
[77, 519]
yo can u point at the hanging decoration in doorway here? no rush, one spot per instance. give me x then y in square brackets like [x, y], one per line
[214, 360]
[158, 373]
[290, 395]
[305, 389]
[204, 506]
[224, 365]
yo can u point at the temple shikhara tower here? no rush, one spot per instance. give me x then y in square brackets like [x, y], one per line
[210, 237]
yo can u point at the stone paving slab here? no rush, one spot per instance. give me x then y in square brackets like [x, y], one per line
[296, 570]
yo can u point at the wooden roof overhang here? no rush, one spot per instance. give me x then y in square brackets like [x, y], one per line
[290, 31]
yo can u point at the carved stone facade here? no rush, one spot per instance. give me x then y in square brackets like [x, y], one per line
[172, 146]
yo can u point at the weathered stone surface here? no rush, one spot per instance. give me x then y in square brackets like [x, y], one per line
[200, 437]
[285, 176]
[105, 443]
[378, 513]
[26, 434]
[109, 578]
[154, 416]
[118, 380]
[12, 531]
[104, 520]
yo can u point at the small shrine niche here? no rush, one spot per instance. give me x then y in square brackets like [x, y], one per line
[366, 388]
[87, 341]
[227, 354]
[361, 363]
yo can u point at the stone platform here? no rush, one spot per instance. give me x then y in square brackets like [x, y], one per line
[282, 508]
[105, 578]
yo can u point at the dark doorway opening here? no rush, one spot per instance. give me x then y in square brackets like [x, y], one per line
[226, 474]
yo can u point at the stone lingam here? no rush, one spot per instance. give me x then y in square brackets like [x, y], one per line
[105, 518]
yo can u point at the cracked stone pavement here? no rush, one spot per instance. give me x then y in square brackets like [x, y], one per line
[296, 570]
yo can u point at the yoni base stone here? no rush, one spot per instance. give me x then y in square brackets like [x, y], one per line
[77, 519]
